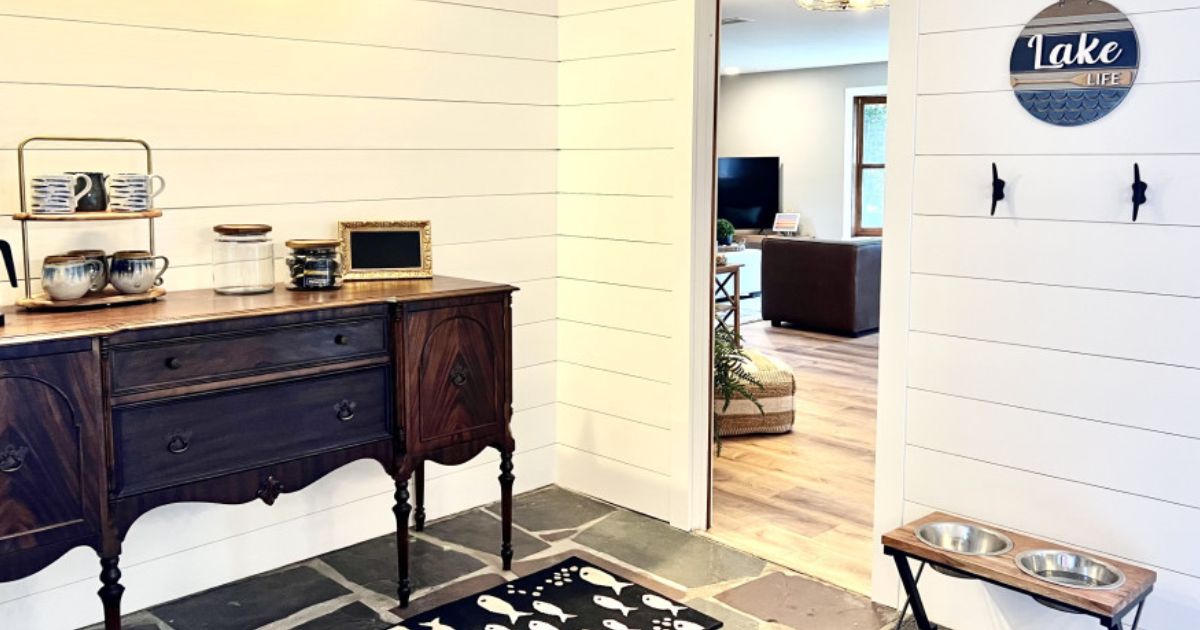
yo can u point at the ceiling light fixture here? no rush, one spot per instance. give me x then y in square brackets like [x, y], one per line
[841, 5]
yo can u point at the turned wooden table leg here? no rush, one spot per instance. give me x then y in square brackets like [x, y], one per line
[111, 591]
[402, 510]
[419, 516]
[506, 499]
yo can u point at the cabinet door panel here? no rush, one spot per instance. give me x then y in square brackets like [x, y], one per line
[456, 362]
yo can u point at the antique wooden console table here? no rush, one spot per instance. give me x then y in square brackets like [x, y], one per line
[107, 414]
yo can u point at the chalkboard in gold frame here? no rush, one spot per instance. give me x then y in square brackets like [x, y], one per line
[386, 250]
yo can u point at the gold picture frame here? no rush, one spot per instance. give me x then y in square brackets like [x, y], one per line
[378, 258]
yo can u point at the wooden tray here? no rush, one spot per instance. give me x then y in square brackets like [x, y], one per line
[42, 302]
[107, 215]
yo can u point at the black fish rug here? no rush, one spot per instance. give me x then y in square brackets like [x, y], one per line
[571, 595]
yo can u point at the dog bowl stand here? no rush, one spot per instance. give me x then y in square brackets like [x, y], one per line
[1110, 607]
[108, 298]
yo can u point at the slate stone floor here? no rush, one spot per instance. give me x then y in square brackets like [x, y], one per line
[354, 588]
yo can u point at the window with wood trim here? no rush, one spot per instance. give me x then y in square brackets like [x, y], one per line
[870, 149]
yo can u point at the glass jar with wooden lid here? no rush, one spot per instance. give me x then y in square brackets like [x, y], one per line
[243, 259]
[314, 264]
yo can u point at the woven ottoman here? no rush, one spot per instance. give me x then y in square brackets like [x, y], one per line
[777, 398]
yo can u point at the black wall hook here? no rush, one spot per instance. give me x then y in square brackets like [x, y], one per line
[1139, 191]
[997, 188]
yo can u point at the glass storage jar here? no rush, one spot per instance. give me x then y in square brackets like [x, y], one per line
[314, 264]
[243, 259]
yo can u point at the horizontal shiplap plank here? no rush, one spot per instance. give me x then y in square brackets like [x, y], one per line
[644, 310]
[631, 125]
[649, 219]
[190, 120]
[634, 443]
[631, 487]
[950, 15]
[632, 29]
[953, 425]
[618, 79]
[615, 394]
[636, 172]
[497, 261]
[955, 603]
[442, 26]
[1129, 526]
[1076, 188]
[615, 350]
[1034, 378]
[534, 386]
[1121, 325]
[1123, 257]
[535, 301]
[967, 61]
[994, 123]
[533, 344]
[208, 61]
[614, 262]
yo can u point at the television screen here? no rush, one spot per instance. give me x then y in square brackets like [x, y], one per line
[748, 191]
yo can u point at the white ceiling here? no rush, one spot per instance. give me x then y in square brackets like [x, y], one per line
[784, 37]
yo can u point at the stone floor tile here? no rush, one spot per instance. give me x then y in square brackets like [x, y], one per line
[251, 603]
[530, 567]
[799, 602]
[449, 593]
[553, 508]
[136, 621]
[668, 552]
[732, 619]
[481, 531]
[557, 536]
[373, 564]
[356, 616]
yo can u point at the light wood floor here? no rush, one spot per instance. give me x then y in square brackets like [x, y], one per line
[805, 500]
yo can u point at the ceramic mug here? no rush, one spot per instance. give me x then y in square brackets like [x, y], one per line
[134, 271]
[97, 255]
[92, 196]
[69, 277]
[133, 191]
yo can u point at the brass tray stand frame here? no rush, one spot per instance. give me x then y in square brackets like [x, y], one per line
[25, 216]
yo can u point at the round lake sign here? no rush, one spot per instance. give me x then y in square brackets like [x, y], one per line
[1075, 62]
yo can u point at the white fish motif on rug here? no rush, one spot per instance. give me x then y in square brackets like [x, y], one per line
[605, 601]
[596, 577]
[500, 607]
[540, 625]
[686, 625]
[546, 608]
[613, 624]
[436, 624]
[661, 603]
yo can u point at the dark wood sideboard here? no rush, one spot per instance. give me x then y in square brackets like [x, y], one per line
[107, 414]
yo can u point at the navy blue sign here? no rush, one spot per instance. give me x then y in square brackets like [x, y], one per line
[1075, 62]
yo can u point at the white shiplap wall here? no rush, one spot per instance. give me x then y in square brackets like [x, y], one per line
[1051, 365]
[299, 114]
[625, 220]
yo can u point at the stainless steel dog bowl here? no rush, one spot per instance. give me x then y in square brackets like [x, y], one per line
[964, 538]
[1071, 569]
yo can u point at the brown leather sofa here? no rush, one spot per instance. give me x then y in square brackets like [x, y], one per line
[826, 286]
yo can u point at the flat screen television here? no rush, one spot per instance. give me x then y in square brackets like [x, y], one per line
[748, 191]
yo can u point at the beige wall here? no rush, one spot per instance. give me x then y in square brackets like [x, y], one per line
[299, 114]
[799, 116]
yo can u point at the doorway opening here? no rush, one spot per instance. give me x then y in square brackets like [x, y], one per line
[801, 162]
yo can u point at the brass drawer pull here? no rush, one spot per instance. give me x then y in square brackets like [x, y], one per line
[345, 410]
[12, 458]
[179, 444]
[341, 340]
[173, 363]
[459, 375]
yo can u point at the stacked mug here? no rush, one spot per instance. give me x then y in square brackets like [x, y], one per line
[132, 192]
[58, 194]
[88, 271]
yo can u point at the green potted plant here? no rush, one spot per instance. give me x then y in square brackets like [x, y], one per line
[725, 231]
[730, 376]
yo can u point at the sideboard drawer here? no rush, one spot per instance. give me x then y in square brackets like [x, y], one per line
[167, 443]
[159, 364]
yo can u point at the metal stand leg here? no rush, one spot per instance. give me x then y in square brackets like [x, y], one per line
[1116, 624]
[904, 610]
[914, 596]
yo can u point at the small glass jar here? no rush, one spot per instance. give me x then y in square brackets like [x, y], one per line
[314, 265]
[243, 259]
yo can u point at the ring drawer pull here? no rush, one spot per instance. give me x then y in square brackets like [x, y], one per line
[174, 363]
[345, 410]
[459, 375]
[12, 458]
[179, 444]
[341, 340]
